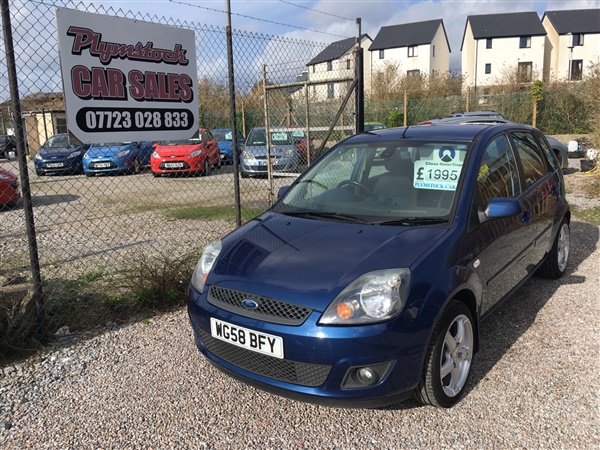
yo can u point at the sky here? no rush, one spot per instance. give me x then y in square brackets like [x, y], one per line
[331, 20]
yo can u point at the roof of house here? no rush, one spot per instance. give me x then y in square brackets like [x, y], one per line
[335, 50]
[505, 25]
[575, 20]
[407, 35]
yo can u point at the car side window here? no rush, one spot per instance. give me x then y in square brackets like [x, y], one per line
[530, 156]
[550, 156]
[498, 175]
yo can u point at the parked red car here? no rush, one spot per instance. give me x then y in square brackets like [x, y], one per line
[9, 188]
[190, 156]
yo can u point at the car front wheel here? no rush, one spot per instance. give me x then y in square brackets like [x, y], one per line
[449, 357]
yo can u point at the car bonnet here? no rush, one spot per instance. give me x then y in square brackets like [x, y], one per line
[308, 262]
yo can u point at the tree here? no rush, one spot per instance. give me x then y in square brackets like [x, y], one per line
[537, 94]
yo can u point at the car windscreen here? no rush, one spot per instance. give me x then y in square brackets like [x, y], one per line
[58, 140]
[380, 182]
[259, 137]
[223, 135]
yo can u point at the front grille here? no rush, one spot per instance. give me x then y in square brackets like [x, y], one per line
[268, 309]
[303, 374]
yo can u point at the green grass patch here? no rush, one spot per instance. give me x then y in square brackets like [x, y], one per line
[195, 212]
[589, 215]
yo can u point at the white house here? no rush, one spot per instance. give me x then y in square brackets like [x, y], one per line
[572, 43]
[495, 44]
[415, 48]
[336, 61]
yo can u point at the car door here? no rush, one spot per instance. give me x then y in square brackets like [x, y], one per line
[212, 148]
[540, 193]
[499, 244]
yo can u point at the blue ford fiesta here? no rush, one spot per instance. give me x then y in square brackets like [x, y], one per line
[369, 279]
[118, 157]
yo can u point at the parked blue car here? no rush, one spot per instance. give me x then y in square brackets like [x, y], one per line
[124, 157]
[224, 137]
[369, 279]
[58, 156]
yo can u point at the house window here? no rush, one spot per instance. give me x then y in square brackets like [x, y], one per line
[577, 40]
[576, 70]
[412, 51]
[524, 71]
[413, 73]
[329, 66]
[314, 68]
[488, 43]
[433, 51]
[60, 125]
[525, 42]
[381, 54]
[348, 66]
[488, 68]
[330, 90]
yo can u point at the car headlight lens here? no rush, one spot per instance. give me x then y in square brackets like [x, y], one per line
[247, 155]
[74, 154]
[122, 153]
[206, 262]
[196, 153]
[373, 297]
[155, 155]
[38, 157]
[86, 156]
[289, 153]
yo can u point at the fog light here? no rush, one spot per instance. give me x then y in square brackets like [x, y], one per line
[358, 377]
[367, 376]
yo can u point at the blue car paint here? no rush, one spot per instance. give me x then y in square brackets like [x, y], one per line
[308, 262]
[107, 154]
[225, 146]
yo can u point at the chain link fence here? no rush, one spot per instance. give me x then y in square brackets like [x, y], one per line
[123, 245]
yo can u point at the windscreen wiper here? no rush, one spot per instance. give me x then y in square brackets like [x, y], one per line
[325, 214]
[413, 221]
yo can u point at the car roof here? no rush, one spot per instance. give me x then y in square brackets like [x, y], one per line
[450, 132]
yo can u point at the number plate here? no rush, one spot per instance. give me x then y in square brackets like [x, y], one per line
[55, 165]
[174, 165]
[255, 341]
[102, 165]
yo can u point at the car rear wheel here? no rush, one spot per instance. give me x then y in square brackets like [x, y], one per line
[556, 262]
[449, 357]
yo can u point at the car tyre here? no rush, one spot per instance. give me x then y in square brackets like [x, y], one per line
[449, 357]
[557, 259]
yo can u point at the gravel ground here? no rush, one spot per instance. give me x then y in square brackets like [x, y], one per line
[144, 385]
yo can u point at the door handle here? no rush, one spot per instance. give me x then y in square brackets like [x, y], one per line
[526, 217]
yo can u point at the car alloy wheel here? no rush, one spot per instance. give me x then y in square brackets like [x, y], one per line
[449, 358]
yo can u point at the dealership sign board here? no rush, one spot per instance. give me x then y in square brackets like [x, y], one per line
[125, 80]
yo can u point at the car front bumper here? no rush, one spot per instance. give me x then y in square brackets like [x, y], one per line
[319, 361]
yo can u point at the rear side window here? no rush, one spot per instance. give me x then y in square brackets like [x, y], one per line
[531, 157]
[498, 176]
[550, 156]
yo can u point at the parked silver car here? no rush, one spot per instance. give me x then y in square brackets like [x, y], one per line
[283, 151]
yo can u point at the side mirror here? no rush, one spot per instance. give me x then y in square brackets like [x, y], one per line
[500, 207]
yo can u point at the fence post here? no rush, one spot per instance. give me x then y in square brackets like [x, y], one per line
[234, 139]
[27, 204]
[359, 99]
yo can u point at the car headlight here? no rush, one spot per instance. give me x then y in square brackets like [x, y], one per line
[195, 153]
[86, 156]
[247, 155]
[122, 153]
[208, 258]
[155, 155]
[74, 154]
[38, 157]
[289, 153]
[373, 297]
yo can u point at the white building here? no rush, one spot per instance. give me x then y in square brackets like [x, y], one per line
[572, 43]
[415, 48]
[494, 45]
